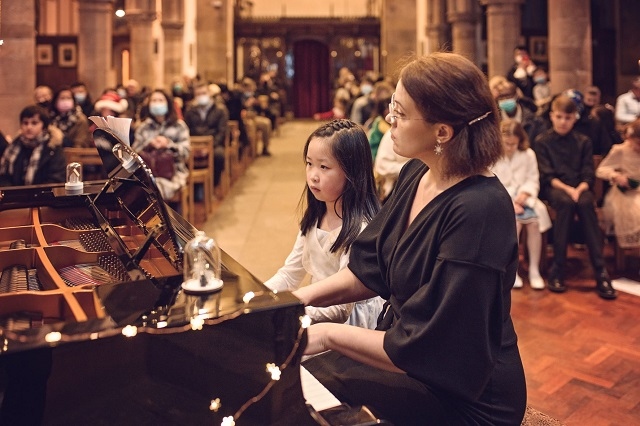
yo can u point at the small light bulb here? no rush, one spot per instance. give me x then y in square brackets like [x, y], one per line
[248, 296]
[196, 323]
[274, 370]
[53, 337]
[305, 321]
[130, 331]
[228, 421]
[215, 405]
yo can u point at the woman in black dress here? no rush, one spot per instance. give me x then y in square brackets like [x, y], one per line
[443, 252]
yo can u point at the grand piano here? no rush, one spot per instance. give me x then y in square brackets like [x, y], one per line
[96, 329]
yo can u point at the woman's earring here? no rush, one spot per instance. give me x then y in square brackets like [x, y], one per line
[438, 148]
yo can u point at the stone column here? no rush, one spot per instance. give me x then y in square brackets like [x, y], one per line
[17, 62]
[95, 51]
[397, 34]
[173, 28]
[462, 15]
[503, 33]
[437, 29]
[569, 45]
[140, 15]
[212, 20]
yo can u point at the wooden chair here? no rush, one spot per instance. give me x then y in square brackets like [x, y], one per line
[201, 147]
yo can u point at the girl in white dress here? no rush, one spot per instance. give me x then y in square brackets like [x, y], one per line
[518, 172]
[340, 199]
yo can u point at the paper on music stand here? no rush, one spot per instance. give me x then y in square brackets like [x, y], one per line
[120, 126]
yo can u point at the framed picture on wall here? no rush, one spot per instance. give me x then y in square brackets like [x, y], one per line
[67, 55]
[44, 54]
[538, 49]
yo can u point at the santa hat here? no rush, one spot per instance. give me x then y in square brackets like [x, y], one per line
[112, 101]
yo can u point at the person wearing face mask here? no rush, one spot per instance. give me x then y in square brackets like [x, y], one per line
[521, 73]
[514, 107]
[205, 117]
[36, 155]
[162, 130]
[359, 104]
[82, 98]
[542, 89]
[68, 117]
[42, 96]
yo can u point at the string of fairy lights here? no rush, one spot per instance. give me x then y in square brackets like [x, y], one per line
[197, 322]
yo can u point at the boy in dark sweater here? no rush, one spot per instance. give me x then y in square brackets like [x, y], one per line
[565, 162]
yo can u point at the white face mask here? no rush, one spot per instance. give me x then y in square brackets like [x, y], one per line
[203, 100]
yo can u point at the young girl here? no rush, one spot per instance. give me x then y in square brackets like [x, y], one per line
[341, 199]
[518, 172]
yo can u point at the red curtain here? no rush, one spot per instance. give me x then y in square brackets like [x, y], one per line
[311, 79]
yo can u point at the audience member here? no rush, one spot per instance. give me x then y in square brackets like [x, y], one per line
[621, 167]
[68, 117]
[82, 97]
[42, 95]
[206, 118]
[253, 110]
[603, 129]
[387, 167]
[542, 89]
[513, 106]
[36, 155]
[163, 131]
[591, 99]
[443, 252]
[379, 126]
[340, 200]
[565, 162]
[361, 101]
[517, 169]
[521, 73]
[111, 104]
[628, 104]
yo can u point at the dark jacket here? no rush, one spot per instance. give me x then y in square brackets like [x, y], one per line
[215, 123]
[51, 167]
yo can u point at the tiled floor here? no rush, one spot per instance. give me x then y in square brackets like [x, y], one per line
[257, 222]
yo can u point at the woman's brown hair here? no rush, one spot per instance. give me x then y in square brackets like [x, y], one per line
[510, 127]
[448, 88]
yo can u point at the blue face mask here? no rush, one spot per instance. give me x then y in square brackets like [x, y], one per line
[158, 109]
[507, 105]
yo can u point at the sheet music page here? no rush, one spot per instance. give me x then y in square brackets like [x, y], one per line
[315, 393]
[120, 126]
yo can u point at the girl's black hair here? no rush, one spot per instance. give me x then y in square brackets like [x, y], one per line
[350, 147]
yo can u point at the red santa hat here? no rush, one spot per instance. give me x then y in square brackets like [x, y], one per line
[112, 101]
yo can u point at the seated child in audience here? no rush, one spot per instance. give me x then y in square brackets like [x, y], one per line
[565, 162]
[518, 172]
[340, 200]
[621, 167]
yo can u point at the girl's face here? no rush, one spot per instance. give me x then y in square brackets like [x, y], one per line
[325, 177]
[412, 135]
[510, 144]
[31, 127]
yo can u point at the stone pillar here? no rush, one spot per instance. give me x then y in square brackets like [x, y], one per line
[173, 28]
[462, 15]
[17, 62]
[503, 33]
[212, 19]
[437, 29]
[140, 15]
[397, 34]
[569, 44]
[95, 51]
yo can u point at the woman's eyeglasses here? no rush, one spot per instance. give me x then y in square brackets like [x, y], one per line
[394, 115]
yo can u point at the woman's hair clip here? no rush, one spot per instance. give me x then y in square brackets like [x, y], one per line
[482, 117]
